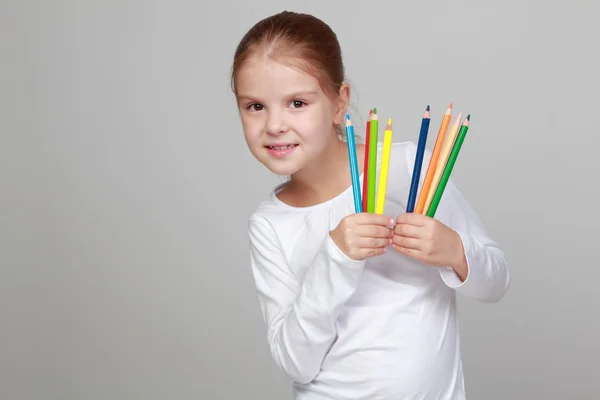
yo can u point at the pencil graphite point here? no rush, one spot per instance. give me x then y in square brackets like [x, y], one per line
[374, 111]
[389, 121]
[469, 117]
[427, 107]
[450, 106]
[348, 116]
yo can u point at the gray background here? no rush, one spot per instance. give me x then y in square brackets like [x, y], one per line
[126, 186]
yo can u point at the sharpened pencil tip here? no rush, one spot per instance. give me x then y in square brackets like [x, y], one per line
[457, 121]
[450, 106]
[348, 116]
[428, 108]
[469, 117]
[374, 111]
[389, 121]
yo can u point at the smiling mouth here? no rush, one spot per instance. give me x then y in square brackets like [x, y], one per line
[285, 147]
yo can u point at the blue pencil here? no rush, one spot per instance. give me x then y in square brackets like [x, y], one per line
[414, 186]
[353, 164]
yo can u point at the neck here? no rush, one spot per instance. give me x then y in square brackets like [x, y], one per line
[327, 176]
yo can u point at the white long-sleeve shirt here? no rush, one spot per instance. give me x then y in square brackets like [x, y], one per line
[384, 328]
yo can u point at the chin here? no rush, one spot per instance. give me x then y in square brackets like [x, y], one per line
[281, 166]
[283, 169]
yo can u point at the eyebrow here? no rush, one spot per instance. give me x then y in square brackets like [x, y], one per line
[244, 96]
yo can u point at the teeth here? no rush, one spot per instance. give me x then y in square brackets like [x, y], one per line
[289, 146]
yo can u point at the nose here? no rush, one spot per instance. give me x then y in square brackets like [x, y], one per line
[276, 124]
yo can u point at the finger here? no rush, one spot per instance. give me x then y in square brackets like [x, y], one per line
[408, 230]
[375, 252]
[406, 242]
[373, 219]
[412, 218]
[407, 252]
[375, 231]
[373, 243]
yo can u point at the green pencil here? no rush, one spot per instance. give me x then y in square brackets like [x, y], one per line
[371, 184]
[448, 168]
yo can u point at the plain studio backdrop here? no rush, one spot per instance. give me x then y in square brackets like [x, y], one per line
[126, 186]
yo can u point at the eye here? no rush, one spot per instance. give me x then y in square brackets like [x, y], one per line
[255, 107]
[297, 103]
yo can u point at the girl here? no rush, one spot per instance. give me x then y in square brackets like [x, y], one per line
[357, 305]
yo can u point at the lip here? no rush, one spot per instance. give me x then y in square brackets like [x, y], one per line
[280, 153]
[279, 144]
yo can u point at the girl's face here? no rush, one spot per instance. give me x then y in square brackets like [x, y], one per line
[287, 118]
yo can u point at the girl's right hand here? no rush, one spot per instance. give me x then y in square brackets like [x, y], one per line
[363, 235]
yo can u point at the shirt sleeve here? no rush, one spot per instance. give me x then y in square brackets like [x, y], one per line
[300, 315]
[488, 277]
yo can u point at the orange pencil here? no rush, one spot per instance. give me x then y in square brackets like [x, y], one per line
[442, 160]
[434, 159]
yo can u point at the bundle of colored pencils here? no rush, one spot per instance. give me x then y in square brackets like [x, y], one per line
[443, 158]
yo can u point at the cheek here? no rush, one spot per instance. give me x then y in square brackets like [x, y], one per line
[252, 128]
[319, 121]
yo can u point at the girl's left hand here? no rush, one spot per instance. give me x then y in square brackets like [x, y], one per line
[429, 241]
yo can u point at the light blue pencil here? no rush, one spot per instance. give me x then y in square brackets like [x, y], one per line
[353, 164]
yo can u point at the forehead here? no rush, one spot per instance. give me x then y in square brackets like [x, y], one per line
[261, 76]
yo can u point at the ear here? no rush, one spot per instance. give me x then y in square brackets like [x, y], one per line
[342, 104]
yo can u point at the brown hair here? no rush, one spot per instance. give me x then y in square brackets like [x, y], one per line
[299, 39]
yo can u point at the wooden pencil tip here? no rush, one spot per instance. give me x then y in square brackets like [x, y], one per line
[450, 106]
[469, 117]
[427, 109]
[389, 121]
[374, 111]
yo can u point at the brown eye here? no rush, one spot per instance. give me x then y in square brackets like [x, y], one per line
[254, 107]
[297, 103]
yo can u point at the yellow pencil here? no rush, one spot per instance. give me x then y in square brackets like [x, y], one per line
[385, 163]
[441, 164]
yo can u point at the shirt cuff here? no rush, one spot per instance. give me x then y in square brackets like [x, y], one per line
[449, 276]
[337, 255]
